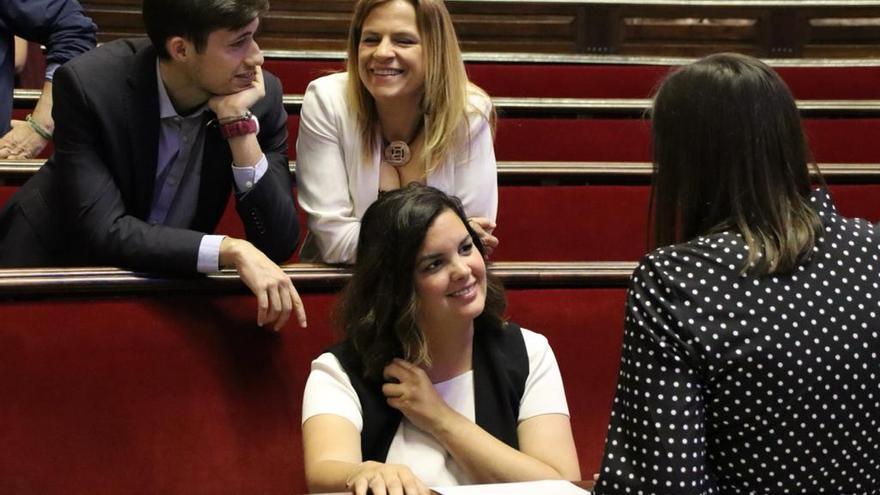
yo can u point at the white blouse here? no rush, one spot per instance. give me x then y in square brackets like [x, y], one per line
[329, 391]
[335, 186]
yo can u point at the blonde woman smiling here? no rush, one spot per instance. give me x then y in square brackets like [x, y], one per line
[402, 112]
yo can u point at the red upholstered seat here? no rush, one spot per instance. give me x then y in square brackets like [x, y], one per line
[614, 140]
[640, 81]
[585, 328]
[851, 140]
[6, 192]
[572, 223]
[174, 393]
[558, 80]
[162, 394]
[296, 75]
[575, 223]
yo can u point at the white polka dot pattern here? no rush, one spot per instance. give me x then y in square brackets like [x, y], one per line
[743, 384]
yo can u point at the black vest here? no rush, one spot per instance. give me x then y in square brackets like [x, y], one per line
[500, 364]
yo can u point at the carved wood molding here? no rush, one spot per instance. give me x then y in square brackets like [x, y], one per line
[768, 28]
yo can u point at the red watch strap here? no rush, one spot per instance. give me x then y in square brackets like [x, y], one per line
[240, 128]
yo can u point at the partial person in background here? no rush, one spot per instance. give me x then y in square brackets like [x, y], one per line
[404, 111]
[152, 137]
[63, 27]
[430, 385]
[752, 336]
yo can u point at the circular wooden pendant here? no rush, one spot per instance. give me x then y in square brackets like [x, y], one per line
[397, 153]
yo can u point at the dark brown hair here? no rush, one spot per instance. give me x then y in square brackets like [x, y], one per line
[196, 19]
[730, 154]
[377, 308]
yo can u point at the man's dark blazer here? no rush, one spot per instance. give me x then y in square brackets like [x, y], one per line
[88, 204]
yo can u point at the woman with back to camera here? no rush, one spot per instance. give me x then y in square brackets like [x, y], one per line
[430, 385]
[402, 112]
[750, 349]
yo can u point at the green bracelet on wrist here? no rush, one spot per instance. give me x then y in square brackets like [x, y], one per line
[38, 128]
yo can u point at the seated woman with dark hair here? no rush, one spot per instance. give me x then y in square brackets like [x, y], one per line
[750, 348]
[430, 386]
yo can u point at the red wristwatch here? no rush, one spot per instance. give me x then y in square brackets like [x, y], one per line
[240, 127]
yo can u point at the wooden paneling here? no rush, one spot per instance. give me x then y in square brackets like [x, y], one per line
[674, 28]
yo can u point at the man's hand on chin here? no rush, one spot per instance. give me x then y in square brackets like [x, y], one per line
[276, 295]
[235, 104]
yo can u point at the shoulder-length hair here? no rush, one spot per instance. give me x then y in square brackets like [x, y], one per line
[445, 103]
[730, 154]
[377, 308]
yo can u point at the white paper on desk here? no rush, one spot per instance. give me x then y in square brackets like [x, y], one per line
[549, 487]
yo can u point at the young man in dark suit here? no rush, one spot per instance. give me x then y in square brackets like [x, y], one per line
[150, 138]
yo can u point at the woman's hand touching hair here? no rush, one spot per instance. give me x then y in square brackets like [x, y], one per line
[414, 395]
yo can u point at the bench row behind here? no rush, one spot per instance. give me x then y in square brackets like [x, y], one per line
[849, 137]
[602, 80]
[115, 383]
[593, 222]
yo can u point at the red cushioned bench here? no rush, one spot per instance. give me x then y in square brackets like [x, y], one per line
[597, 80]
[133, 385]
[586, 222]
[833, 140]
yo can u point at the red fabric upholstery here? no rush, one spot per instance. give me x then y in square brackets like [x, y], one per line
[844, 140]
[640, 81]
[6, 192]
[296, 75]
[626, 140]
[599, 222]
[820, 83]
[602, 80]
[572, 223]
[857, 200]
[567, 80]
[612, 140]
[182, 394]
[606, 222]
[585, 329]
[165, 394]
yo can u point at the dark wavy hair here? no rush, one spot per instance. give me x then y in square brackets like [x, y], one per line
[377, 308]
[196, 19]
[730, 154]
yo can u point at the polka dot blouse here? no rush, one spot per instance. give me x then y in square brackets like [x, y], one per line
[742, 384]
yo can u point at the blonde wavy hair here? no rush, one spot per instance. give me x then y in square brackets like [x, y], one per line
[445, 104]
